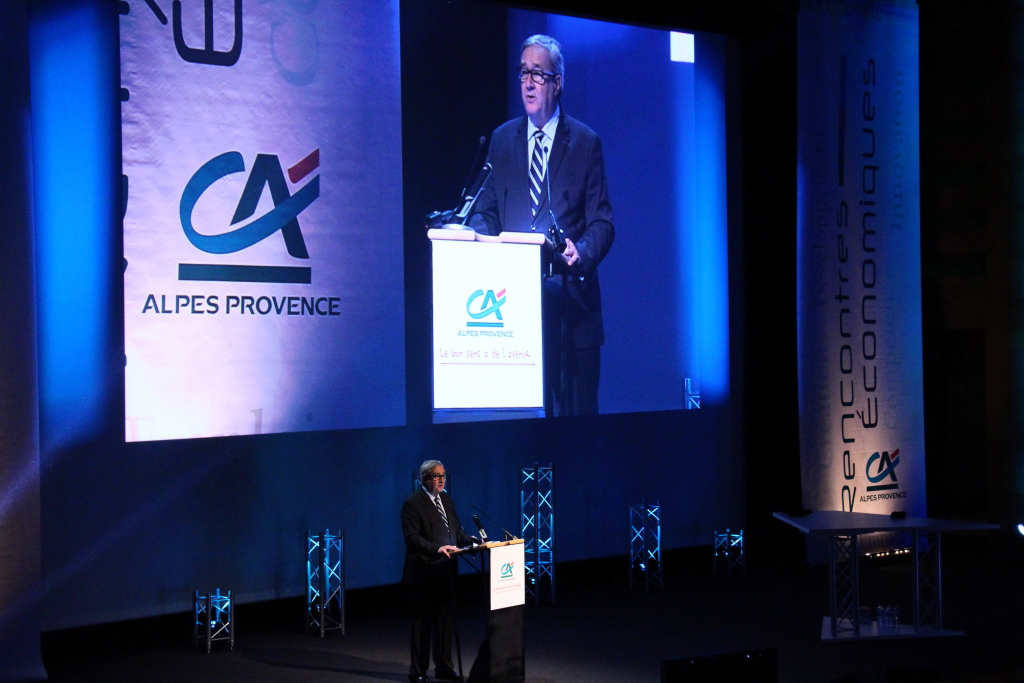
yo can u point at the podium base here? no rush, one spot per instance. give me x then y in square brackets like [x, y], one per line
[485, 415]
[502, 656]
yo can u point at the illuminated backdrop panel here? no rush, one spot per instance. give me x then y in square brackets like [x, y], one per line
[262, 228]
[859, 258]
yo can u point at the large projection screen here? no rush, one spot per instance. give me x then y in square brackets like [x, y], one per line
[263, 175]
[266, 227]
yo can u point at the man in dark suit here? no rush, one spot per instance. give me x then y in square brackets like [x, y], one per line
[432, 531]
[548, 177]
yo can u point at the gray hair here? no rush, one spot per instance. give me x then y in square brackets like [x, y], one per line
[554, 49]
[427, 466]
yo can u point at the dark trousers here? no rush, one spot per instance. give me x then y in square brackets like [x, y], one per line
[583, 365]
[433, 623]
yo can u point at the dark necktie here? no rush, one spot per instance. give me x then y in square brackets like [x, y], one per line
[537, 171]
[440, 508]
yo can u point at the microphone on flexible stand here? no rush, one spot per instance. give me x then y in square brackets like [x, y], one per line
[508, 535]
[476, 160]
[555, 233]
[480, 528]
[450, 218]
[474, 193]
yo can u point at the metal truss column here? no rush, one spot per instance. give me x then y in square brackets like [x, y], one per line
[537, 508]
[645, 545]
[325, 582]
[729, 549]
[213, 619]
[927, 580]
[844, 582]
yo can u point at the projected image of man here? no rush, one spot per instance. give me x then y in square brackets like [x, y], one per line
[432, 531]
[548, 177]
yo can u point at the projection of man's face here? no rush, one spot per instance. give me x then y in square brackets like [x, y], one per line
[539, 99]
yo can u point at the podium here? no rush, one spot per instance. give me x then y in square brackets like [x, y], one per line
[487, 328]
[502, 657]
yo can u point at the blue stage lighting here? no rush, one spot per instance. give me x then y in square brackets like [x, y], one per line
[1020, 529]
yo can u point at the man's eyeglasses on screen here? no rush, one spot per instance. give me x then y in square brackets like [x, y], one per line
[539, 77]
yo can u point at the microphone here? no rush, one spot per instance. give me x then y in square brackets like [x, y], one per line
[508, 535]
[475, 190]
[476, 160]
[480, 528]
[450, 218]
[555, 233]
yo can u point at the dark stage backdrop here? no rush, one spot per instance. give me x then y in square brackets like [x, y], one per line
[130, 530]
[20, 595]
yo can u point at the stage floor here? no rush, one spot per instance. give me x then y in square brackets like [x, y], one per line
[597, 633]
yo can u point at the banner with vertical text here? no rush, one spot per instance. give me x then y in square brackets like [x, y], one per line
[858, 257]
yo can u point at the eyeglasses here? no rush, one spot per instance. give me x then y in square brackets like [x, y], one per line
[435, 477]
[536, 75]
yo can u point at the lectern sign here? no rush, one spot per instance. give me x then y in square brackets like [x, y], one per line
[487, 326]
[508, 576]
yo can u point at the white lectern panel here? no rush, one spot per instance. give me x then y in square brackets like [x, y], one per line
[508, 576]
[487, 325]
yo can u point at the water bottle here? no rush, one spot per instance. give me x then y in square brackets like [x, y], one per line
[896, 618]
[880, 617]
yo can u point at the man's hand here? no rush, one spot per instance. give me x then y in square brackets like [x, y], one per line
[447, 550]
[570, 256]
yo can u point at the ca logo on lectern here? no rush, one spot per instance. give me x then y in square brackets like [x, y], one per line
[491, 305]
[506, 570]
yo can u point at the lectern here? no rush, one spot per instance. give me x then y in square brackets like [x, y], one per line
[502, 657]
[487, 340]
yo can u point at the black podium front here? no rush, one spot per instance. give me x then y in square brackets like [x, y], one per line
[502, 657]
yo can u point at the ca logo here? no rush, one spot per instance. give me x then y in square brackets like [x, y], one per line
[491, 305]
[266, 171]
[886, 468]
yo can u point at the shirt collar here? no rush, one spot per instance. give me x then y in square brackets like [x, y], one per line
[549, 127]
[432, 496]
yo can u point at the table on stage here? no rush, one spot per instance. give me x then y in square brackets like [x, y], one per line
[843, 528]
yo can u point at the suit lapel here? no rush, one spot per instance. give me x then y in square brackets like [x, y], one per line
[448, 513]
[560, 145]
[522, 168]
[430, 504]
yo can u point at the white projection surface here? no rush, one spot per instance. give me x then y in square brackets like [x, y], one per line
[487, 325]
[263, 282]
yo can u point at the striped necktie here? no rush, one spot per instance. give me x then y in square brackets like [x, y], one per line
[440, 508]
[537, 171]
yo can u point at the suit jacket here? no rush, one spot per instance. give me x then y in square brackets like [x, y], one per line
[579, 201]
[423, 528]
